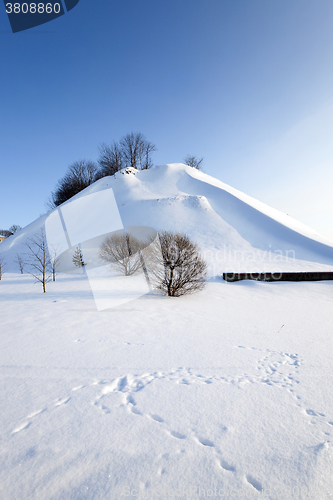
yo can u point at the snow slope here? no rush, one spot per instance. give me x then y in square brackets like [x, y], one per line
[235, 232]
[224, 394]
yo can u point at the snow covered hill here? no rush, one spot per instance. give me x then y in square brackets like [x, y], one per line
[234, 231]
[226, 393]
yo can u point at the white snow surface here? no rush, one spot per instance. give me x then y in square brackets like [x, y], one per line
[227, 393]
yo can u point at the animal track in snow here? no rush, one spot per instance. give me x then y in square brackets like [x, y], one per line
[276, 369]
[273, 365]
[131, 343]
[155, 417]
[319, 447]
[253, 482]
[177, 435]
[311, 412]
[104, 409]
[21, 427]
[61, 401]
[35, 413]
[230, 468]
[183, 381]
[135, 410]
[205, 442]
[130, 400]
[83, 341]
[161, 471]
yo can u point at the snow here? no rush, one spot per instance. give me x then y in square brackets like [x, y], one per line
[226, 394]
[235, 232]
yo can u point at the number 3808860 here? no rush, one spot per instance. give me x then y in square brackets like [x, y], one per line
[32, 8]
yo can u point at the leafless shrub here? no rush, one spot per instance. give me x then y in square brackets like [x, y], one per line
[122, 251]
[175, 266]
[39, 259]
[2, 266]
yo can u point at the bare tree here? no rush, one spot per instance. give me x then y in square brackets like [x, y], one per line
[176, 268]
[54, 260]
[193, 161]
[14, 228]
[20, 262]
[78, 258]
[123, 253]
[136, 151]
[110, 160]
[2, 266]
[131, 148]
[39, 259]
[79, 176]
[148, 148]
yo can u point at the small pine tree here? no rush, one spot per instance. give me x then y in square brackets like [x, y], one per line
[78, 258]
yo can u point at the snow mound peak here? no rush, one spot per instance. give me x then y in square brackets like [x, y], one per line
[234, 231]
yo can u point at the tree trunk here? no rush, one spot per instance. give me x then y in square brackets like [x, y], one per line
[170, 284]
[44, 289]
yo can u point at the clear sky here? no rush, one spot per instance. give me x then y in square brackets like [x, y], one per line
[247, 84]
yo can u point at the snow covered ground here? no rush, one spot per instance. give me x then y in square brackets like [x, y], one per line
[228, 389]
[224, 394]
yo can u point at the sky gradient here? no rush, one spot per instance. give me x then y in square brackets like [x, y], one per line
[247, 84]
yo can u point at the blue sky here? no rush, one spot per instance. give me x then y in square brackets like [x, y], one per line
[247, 84]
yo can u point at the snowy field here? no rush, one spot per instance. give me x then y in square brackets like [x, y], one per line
[224, 394]
[227, 393]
